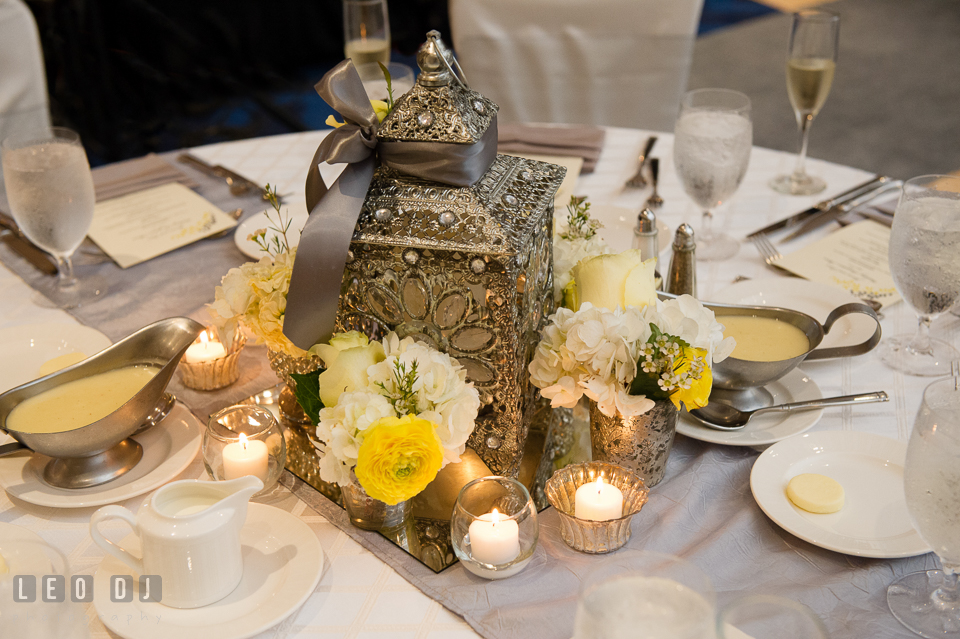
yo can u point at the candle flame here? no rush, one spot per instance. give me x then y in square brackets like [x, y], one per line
[599, 483]
[243, 441]
[204, 338]
[495, 517]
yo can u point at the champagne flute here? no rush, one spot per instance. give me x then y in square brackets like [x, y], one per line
[924, 244]
[711, 150]
[50, 191]
[366, 30]
[928, 602]
[810, 66]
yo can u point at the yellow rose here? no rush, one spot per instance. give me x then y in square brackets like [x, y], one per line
[398, 458]
[380, 107]
[699, 392]
[347, 358]
[609, 281]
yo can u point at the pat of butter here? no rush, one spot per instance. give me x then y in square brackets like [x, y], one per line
[60, 362]
[815, 493]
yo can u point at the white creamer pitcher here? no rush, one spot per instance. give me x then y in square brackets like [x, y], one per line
[189, 535]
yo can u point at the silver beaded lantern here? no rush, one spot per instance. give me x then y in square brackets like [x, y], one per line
[468, 270]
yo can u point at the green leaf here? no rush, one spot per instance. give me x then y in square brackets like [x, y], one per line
[646, 384]
[386, 75]
[307, 393]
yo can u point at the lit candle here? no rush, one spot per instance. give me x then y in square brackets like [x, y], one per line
[494, 540]
[245, 458]
[205, 350]
[598, 501]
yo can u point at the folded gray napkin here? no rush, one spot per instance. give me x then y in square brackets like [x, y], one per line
[577, 141]
[138, 174]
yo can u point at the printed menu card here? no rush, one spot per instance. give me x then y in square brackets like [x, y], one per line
[853, 258]
[140, 226]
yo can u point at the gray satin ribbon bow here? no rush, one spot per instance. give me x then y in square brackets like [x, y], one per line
[314, 294]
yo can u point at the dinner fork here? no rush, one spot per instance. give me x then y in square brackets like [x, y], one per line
[767, 250]
[638, 181]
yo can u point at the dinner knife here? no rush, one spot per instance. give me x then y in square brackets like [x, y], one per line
[238, 184]
[817, 220]
[840, 198]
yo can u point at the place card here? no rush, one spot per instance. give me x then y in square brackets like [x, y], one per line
[853, 258]
[140, 226]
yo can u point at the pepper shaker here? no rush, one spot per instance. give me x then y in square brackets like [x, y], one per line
[682, 276]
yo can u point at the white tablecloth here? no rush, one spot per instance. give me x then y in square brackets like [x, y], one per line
[359, 595]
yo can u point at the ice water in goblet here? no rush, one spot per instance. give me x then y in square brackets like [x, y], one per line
[928, 602]
[711, 150]
[923, 255]
[50, 191]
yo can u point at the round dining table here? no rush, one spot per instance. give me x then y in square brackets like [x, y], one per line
[704, 509]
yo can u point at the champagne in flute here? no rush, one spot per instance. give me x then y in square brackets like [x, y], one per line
[366, 31]
[808, 84]
[811, 63]
[50, 190]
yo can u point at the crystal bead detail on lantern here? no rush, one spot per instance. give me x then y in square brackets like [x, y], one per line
[468, 270]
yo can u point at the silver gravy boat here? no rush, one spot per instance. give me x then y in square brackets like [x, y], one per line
[740, 382]
[102, 451]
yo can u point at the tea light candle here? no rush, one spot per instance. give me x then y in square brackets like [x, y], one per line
[494, 540]
[598, 501]
[245, 457]
[205, 350]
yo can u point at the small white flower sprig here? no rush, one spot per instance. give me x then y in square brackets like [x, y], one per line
[575, 239]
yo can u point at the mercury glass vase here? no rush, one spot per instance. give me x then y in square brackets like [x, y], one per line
[283, 365]
[369, 513]
[641, 443]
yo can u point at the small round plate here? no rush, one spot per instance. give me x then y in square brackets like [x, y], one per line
[815, 299]
[168, 448]
[618, 224]
[26, 348]
[765, 428]
[874, 521]
[22, 551]
[282, 564]
[297, 213]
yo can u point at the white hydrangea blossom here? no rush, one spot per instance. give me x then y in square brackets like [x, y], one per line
[594, 351]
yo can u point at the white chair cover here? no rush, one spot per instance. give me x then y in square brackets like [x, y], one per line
[608, 62]
[23, 82]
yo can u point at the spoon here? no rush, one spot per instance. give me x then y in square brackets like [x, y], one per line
[726, 417]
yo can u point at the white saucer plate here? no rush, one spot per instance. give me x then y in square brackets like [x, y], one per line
[812, 298]
[23, 551]
[765, 428]
[26, 348]
[282, 564]
[618, 224]
[168, 448]
[296, 212]
[874, 521]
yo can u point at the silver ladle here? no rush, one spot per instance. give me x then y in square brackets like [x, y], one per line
[721, 416]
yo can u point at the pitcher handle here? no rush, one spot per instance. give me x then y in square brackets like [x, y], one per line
[847, 351]
[116, 512]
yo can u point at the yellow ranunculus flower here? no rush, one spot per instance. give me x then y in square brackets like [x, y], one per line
[699, 392]
[380, 107]
[399, 456]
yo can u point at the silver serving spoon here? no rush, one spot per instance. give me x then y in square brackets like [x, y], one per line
[725, 417]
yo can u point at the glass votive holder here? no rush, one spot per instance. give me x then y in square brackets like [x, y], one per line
[205, 369]
[244, 440]
[494, 527]
[589, 535]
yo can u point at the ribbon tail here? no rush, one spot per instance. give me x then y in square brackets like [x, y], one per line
[313, 298]
[316, 188]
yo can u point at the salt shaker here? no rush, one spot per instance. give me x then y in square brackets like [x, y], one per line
[645, 236]
[682, 276]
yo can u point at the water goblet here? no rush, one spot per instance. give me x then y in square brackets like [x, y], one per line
[924, 244]
[366, 30]
[50, 191]
[768, 617]
[811, 62]
[928, 602]
[711, 150]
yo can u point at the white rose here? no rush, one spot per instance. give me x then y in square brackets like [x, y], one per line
[611, 281]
